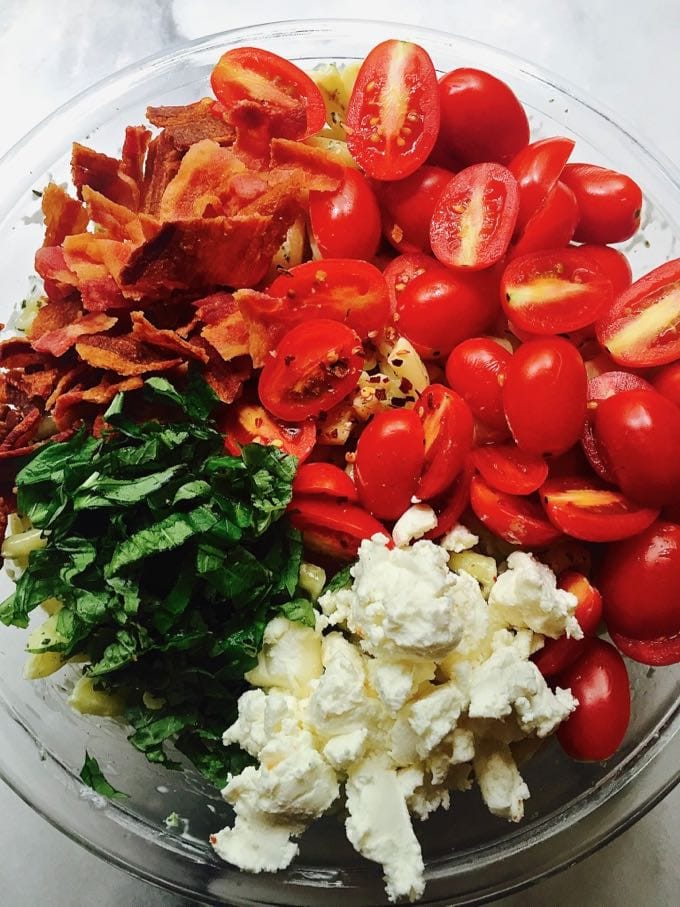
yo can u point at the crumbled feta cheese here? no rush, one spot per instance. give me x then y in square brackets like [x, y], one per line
[458, 539]
[413, 524]
[290, 657]
[396, 680]
[500, 782]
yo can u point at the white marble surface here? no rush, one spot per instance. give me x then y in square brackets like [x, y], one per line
[622, 52]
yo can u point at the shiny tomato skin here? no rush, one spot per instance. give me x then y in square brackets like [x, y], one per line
[659, 652]
[344, 289]
[404, 268]
[324, 479]
[609, 203]
[397, 86]
[481, 117]
[612, 263]
[544, 396]
[554, 292]
[287, 94]
[551, 226]
[537, 168]
[447, 426]
[585, 509]
[245, 422]
[315, 365]
[407, 206]
[333, 528]
[507, 468]
[639, 579]
[476, 369]
[441, 308]
[640, 329]
[599, 681]
[451, 505]
[389, 460]
[346, 223]
[474, 218]
[638, 432]
[667, 382]
[558, 654]
[518, 520]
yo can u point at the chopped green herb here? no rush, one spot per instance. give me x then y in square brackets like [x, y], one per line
[93, 776]
[341, 580]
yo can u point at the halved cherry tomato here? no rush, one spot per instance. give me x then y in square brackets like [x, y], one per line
[585, 509]
[315, 365]
[393, 112]
[558, 654]
[331, 527]
[519, 520]
[544, 396]
[246, 422]
[609, 203]
[601, 388]
[407, 206]
[659, 652]
[476, 369]
[552, 226]
[389, 460]
[507, 468]
[599, 680]
[404, 268]
[638, 432]
[667, 382]
[641, 328]
[291, 100]
[447, 425]
[324, 479]
[553, 292]
[537, 168]
[441, 308]
[481, 119]
[475, 217]
[346, 223]
[345, 289]
[612, 263]
[450, 505]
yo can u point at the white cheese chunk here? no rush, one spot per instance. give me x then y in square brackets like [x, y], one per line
[413, 524]
[290, 657]
[500, 782]
[458, 539]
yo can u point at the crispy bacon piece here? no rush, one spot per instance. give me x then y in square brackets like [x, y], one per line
[267, 319]
[74, 404]
[225, 328]
[51, 317]
[61, 340]
[225, 378]
[93, 257]
[253, 133]
[315, 162]
[63, 215]
[17, 352]
[119, 222]
[136, 142]
[102, 294]
[23, 432]
[59, 281]
[124, 355]
[103, 174]
[23, 387]
[144, 331]
[162, 163]
[202, 184]
[74, 376]
[190, 123]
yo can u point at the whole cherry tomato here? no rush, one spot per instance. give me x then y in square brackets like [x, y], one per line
[507, 468]
[324, 479]
[609, 203]
[638, 432]
[612, 263]
[474, 218]
[407, 206]
[481, 117]
[332, 528]
[389, 461]
[599, 680]
[667, 382]
[404, 268]
[346, 223]
[447, 425]
[537, 168]
[552, 226]
[476, 369]
[245, 422]
[544, 396]
[517, 519]
[393, 111]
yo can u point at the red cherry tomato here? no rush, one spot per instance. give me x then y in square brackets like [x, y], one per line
[315, 365]
[667, 382]
[612, 264]
[481, 117]
[407, 206]
[552, 226]
[324, 479]
[537, 168]
[544, 396]
[558, 654]
[405, 268]
[332, 528]
[246, 422]
[291, 100]
[441, 308]
[346, 223]
[665, 650]
[638, 433]
[450, 505]
[599, 680]
[601, 388]
[476, 369]
[553, 292]
[344, 289]
[475, 217]
[609, 203]
[641, 328]
[507, 468]
[389, 460]
[518, 520]
[585, 509]
[393, 112]
[447, 425]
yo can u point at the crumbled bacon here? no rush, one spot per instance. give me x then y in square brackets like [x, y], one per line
[63, 215]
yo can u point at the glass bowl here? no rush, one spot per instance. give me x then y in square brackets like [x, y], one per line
[470, 856]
